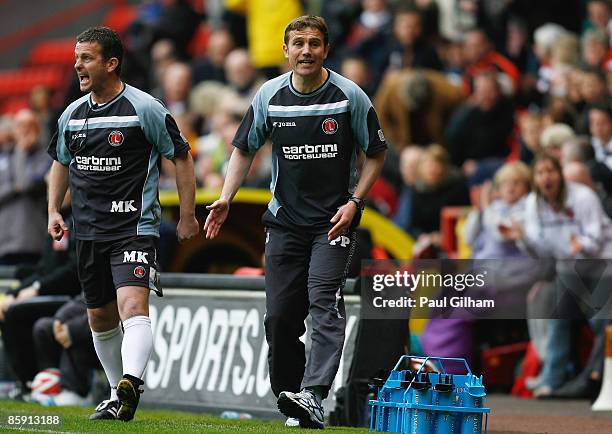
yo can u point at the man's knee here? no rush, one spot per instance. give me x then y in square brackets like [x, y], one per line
[133, 308]
[133, 301]
[284, 323]
[43, 328]
[11, 315]
[102, 319]
[20, 312]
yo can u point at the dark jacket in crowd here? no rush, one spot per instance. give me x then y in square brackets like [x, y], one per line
[427, 202]
[57, 269]
[473, 134]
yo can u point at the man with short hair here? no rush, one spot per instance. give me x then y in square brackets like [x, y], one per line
[409, 48]
[479, 131]
[318, 122]
[600, 126]
[22, 193]
[108, 145]
[481, 57]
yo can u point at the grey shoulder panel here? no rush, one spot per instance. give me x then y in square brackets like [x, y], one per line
[258, 131]
[152, 114]
[359, 105]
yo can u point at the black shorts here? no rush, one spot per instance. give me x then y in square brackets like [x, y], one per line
[105, 266]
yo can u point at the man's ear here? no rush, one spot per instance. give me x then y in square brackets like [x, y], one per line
[286, 51]
[112, 64]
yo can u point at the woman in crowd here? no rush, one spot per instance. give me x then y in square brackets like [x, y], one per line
[566, 221]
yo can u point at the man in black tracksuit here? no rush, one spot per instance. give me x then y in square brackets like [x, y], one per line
[318, 122]
[54, 275]
[63, 341]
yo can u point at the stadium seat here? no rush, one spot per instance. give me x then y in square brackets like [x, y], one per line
[249, 271]
[499, 364]
[379, 253]
[448, 220]
[14, 104]
[53, 52]
[514, 143]
[529, 367]
[449, 216]
[19, 82]
[120, 18]
[383, 196]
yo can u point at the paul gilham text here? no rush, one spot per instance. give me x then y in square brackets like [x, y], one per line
[456, 302]
[465, 302]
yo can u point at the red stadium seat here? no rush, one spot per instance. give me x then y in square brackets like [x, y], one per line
[14, 104]
[379, 253]
[448, 220]
[249, 271]
[499, 364]
[19, 82]
[53, 52]
[120, 18]
[514, 142]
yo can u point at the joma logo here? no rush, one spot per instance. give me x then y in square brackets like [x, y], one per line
[283, 124]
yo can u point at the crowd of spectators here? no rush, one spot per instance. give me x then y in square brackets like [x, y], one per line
[480, 79]
[464, 89]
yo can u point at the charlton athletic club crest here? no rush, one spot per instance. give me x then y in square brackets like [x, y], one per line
[139, 272]
[330, 126]
[115, 138]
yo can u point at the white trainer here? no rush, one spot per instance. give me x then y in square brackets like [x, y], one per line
[303, 406]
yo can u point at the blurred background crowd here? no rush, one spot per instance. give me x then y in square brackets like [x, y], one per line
[486, 81]
[491, 104]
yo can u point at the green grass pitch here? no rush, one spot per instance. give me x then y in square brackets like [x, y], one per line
[75, 420]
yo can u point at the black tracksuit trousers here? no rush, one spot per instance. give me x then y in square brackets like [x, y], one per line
[305, 274]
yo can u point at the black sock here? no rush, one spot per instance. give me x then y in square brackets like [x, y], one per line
[135, 380]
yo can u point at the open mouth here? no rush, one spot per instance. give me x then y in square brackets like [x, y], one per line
[84, 79]
[548, 187]
[306, 62]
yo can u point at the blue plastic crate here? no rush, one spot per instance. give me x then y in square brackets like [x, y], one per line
[420, 402]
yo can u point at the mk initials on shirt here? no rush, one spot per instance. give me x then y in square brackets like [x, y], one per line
[123, 206]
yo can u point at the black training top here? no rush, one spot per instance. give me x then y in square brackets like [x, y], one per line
[315, 141]
[113, 152]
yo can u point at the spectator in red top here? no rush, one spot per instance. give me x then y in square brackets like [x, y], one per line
[480, 57]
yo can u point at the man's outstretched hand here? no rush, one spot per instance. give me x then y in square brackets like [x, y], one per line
[216, 217]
